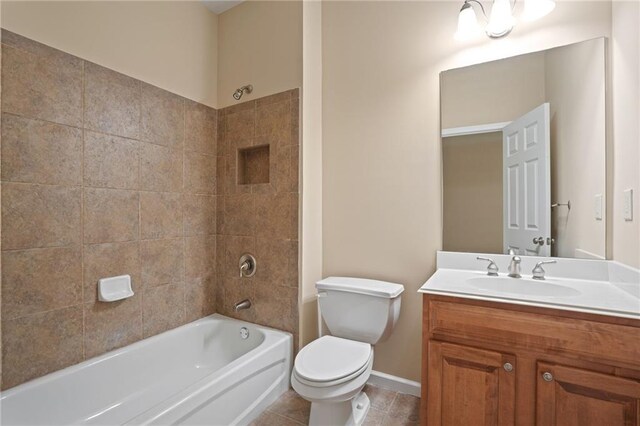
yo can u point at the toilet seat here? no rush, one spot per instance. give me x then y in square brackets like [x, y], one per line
[329, 361]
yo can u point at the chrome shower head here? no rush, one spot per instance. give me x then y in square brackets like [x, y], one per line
[239, 92]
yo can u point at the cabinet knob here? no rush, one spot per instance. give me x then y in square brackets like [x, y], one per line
[547, 377]
[507, 366]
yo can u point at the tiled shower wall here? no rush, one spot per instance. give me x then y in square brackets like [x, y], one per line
[260, 218]
[102, 175]
[105, 175]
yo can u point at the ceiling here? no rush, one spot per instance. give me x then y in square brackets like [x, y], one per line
[219, 6]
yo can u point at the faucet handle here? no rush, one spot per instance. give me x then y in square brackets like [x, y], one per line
[492, 268]
[538, 271]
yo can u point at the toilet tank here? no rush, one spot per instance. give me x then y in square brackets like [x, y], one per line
[359, 309]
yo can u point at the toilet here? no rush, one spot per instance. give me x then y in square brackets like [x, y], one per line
[331, 371]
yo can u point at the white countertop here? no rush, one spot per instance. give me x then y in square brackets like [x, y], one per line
[596, 296]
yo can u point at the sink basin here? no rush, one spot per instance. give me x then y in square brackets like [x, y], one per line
[522, 286]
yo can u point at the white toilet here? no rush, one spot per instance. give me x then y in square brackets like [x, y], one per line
[332, 370]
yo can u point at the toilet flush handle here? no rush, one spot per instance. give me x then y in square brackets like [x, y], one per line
[322, 294]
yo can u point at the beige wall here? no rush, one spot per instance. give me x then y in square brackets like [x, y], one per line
[381, 144]
[575, 88]
[492, 92]
[472, 193]
[170, 44]
[625, 51]
[260, 44]
[311, 179]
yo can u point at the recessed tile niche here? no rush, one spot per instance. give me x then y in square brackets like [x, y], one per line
[253, 165]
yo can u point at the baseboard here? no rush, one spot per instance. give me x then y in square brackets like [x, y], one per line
[394, 383]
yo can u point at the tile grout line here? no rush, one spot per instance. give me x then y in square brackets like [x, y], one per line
[284, 416]
[184, 238]
[142, 287]
[82, 207]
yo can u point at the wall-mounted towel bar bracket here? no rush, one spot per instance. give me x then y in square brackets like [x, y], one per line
[568, 204]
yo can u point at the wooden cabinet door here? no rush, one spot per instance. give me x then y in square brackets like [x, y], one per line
[469, 386]
[570, 396]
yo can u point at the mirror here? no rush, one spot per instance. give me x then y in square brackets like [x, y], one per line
[523, 154]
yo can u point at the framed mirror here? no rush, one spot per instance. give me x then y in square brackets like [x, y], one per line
[523, 154]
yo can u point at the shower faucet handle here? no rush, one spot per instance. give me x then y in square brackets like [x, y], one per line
[492, 268]
[247, 265]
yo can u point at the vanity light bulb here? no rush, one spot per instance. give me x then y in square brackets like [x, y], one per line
[468, 26]
[501, 19]
[536, 9]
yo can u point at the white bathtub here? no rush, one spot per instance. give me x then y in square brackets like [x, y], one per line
[203, 373]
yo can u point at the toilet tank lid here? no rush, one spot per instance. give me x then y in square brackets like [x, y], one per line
[361, 286]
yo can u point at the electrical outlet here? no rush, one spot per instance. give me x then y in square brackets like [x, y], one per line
[628, 204]
[597, 206]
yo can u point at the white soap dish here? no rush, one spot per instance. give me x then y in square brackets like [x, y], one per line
[113, 289]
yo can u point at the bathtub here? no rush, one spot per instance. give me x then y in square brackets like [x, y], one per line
[208, 372]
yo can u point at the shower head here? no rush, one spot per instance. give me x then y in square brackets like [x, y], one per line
[239, 92]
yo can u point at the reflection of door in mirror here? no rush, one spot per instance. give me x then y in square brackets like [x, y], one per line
[527, 184]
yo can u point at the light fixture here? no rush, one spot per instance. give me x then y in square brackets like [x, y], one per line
[468, 26]
[500, 20]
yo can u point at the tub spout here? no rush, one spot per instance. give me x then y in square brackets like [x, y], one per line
[242, 305]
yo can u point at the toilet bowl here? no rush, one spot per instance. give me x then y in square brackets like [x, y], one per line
[331, 371]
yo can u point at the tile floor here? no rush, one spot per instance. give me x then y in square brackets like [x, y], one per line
[388, 408]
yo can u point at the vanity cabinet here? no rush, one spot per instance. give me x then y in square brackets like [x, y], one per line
[571, 396]
[481, 381]
[490, 363]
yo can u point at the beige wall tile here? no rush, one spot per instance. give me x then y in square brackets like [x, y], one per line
[295, 122]
[200, 128]
[110, 215]
[110, 260]
[63, 239]
[233, 291]
[200, 257]
[274, 216]
[39, 216]
[294, 169]
[111, 101]
[199, 173]
[221, 244]
[162, 117]
[199, 215]
[110, 161]
[276, 306]
[239, 215]
[160, 215]
[38, 344]
[274, 121]
[200, 299]
[36, 151]
[45, 87]
[235, 247]
[160, 168]
[163, 309]
[240, 125]
[40, 280]
[272, 99]
[109, 326]
[162, 262]
[278, 261]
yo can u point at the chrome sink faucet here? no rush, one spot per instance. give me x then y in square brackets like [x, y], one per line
[492, 268]
[538, 271]
[514, 267]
